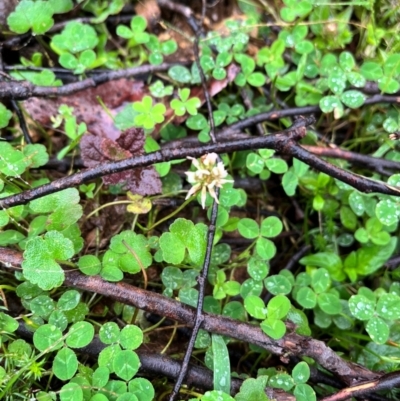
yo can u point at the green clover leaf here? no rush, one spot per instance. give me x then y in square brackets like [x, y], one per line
[295, 8]
[75, 38]
[158, 49]
[185, 105]
[42, 78]
[137, 32]
[148, 115]
[183, 235]
[41, 256]
[31, 15]
[159, 90]
[248, 75]
[36, 155]
[79, 64]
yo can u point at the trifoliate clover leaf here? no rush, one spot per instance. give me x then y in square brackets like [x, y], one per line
[196, 242]
[184, 235]
[78, 64]
[247, 74]
[159, 90]
[180, 74]
[89, 265]
[13, 162]
[129, 252]
[137, 31]
[148, 115]
[7, 323]
[295, 8]
[63, 206]
[75, 38]
[158, 49]
[5, 116]
[9, 236]
[353, 99]
[185, 105]
[41, 256]
[35, 15]
[65, 365]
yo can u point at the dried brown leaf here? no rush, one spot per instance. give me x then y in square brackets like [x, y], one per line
[96, 150]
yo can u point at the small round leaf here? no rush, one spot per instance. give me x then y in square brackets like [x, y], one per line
[126, 364]
[65, 364]
[271, 227]
[248, 228]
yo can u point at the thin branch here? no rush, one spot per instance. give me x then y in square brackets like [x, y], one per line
[296, 257]
[291, 344]
[202, 279]
[385, 382]
[375, 163]
[21, 90]
[284, 142]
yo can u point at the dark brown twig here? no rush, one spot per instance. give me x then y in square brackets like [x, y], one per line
[291, 344]
[385, 382]
[296, 257]
[202, 279]
[284, 142]
[363, 160]
[21, 90]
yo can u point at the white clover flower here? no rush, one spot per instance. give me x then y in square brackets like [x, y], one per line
[206, 177]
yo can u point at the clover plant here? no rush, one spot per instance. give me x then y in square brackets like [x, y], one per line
[103, 10]
[73, 130]
[159, 50]
[147, 115]
[75, 46]
[184, 104]
[296, 251]
[36, 15]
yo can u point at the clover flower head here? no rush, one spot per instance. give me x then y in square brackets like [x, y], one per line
[210, 174]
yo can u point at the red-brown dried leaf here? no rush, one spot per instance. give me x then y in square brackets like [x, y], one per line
[96, 150]
[132, 141]
[112, 151]
[91, 150]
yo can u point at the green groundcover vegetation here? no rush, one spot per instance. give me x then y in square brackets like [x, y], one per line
[142, 142]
